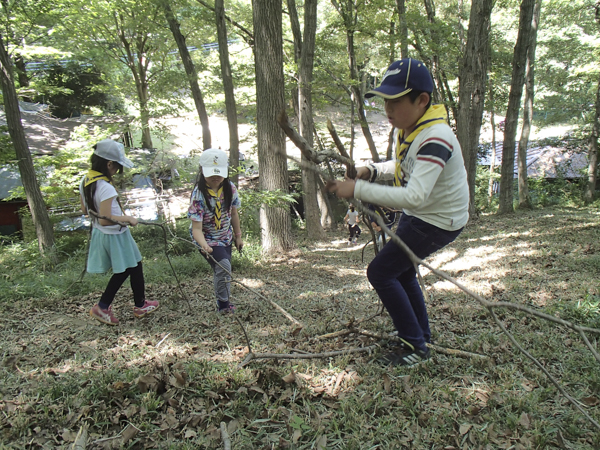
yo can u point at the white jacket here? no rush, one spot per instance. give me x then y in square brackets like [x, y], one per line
[435, 181]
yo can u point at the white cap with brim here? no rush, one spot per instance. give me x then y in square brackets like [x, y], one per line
[214, 163]
[112, 151]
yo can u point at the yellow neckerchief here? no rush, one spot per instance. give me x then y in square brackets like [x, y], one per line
[434, 115]
[93, 176]
[217, 197]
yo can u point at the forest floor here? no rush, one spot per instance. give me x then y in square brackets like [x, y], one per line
[170, 380]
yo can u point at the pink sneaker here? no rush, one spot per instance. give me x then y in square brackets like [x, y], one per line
[104, 315]
[149, 307]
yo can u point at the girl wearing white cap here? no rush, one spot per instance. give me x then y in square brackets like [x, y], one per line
[215, 221]
[112, 246]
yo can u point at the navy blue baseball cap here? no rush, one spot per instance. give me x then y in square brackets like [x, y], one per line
[402, 77]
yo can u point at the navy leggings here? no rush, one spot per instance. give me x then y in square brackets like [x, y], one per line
[393, 276]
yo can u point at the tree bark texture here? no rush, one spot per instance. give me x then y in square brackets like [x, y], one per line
[473, 73]
[514, 104]
[524, 197]
[306, 51]
[190, 71]
[276, 224]
[39, 213]
[401, 4]
[230, 106]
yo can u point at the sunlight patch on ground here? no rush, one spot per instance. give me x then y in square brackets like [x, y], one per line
[252, 282]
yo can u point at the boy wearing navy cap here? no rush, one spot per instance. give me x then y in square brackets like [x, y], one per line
[430, 186]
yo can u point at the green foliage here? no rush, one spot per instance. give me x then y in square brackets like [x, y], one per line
[59, 175]
[252, 202]
[7, 151]
[72, 88]
[482, 180]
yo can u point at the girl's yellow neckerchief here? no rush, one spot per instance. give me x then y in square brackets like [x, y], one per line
[434, 115]
[217, 197]
[93, 176]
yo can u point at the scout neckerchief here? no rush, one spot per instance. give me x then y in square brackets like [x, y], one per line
[217, 197]
[434, 115]
[93, 176]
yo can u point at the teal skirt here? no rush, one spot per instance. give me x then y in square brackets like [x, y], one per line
[112, 251]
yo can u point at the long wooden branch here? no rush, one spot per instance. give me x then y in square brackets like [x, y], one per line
[307, 151]
[253, 356]
[350, 168]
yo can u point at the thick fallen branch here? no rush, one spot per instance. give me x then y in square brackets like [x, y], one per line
[437, 348]
[252, 356]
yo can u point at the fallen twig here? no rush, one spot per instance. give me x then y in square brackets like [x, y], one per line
[251, 356]
[81, 439]
[225, 437]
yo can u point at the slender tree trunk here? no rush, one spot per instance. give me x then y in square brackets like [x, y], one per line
[524, 198]
[401, 4]
[138, 65]
[349, 13]
[39, 213]
[590, 191]
[276, 224]
[493, 157]
[305, 52]
[230, 106]
[514, 103]
[145, 115]
[473, 70]
[190, 71]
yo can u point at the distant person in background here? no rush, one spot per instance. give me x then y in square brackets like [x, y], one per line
[215, 221]
[352, 219]
[112, 246]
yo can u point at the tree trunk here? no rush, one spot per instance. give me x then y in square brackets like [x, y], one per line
[590, 191]
[473, 70]
[403, 29]
[138, 65]
[230, 106]
[144, 114]
[514, 102]
[348, 12]
[22, 77]
[493, 157]
[276, 224]
[190, 71]
[306, 51]
[39, 213]
[524, 198]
